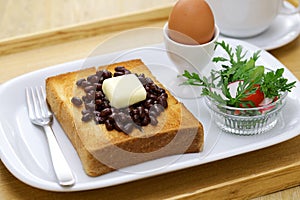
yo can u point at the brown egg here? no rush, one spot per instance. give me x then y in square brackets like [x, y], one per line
[191, 22]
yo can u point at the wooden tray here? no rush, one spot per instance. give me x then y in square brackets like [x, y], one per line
[240, 177]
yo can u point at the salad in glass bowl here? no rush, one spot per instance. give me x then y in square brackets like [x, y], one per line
[245, 98]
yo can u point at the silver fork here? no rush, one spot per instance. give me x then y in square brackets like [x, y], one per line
[40, 115]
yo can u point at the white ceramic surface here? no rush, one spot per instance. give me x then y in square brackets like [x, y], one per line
[24, 151]
[198, 55]
[247, 18]
[282, 31]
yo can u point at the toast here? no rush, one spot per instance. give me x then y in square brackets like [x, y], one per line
[102, 151]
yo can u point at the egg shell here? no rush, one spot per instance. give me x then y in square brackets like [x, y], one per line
[191, 22]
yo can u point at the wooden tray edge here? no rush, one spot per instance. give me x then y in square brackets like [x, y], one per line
[84, 30]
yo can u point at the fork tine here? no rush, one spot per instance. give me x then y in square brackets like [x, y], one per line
[29, 104]
[36, 103]
[41, 102]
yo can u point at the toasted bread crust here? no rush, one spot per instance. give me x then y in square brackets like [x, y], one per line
[102, 151]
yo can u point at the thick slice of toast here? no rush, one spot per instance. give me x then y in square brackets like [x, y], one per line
[102, 151]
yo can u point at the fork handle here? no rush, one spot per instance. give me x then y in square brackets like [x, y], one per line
[61, 167]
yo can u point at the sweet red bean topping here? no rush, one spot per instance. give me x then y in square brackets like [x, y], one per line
[79, 82]
[108, 124]
[105, 112]
[83, 112]
[85, 84]
[87, 117]
[93, 78]
[120, 69]
[97, 107]
[76, 101]
[98, 86]
[118, 74]
[89, 88]
[106, 74]
[90, 106]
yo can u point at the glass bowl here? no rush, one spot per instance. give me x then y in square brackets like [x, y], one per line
[246, 121]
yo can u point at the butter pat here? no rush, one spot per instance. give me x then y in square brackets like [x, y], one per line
[123, 91]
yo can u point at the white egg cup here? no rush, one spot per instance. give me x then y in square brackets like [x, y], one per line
[199, 56]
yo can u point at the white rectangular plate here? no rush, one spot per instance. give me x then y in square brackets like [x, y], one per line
[24, 149]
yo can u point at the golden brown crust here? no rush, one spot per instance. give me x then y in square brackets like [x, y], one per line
[102, 151]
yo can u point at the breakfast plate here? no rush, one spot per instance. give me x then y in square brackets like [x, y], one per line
[282, 31]
[23, 146]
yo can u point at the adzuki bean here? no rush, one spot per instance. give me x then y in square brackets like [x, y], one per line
[79, 82]
[76, 101]
[97, 107]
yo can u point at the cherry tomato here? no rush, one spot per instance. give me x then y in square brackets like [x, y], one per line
[256, 97]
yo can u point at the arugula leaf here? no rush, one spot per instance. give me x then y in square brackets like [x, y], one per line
[227, 48]
[256, 55]
[193, 79]
[219, 59]
[274, 83]
[238, 53]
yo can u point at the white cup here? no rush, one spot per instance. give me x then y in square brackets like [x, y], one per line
[247, 18]
[197, 55]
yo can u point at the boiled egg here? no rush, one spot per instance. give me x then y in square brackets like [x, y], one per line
[191, 22]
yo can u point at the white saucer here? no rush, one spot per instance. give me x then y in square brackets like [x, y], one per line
[283, 30]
